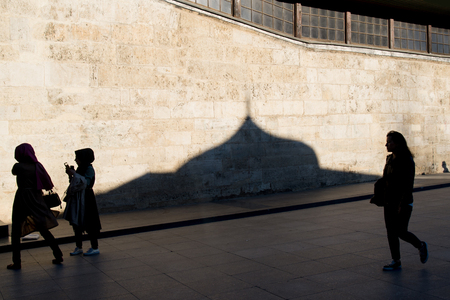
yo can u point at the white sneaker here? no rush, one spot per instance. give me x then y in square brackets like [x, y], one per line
[76, 251]
[92, 252]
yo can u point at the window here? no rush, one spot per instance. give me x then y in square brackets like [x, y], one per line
[440, 40]
[220, 5]
[323, 24]
[269, 13]
[332, 26]
[410, 36]
[370, 31]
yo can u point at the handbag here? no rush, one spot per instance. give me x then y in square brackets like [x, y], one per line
[379, 197]
[52, 199]
[28, 226]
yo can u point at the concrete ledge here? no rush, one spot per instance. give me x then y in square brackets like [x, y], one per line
[3, 230]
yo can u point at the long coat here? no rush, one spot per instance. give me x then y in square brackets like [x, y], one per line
[29, 207]
[81, 209]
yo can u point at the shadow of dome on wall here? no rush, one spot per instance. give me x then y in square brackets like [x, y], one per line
[252, 162]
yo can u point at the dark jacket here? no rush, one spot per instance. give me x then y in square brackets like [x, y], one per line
[29, 208]
[399, 177]
[91, 218]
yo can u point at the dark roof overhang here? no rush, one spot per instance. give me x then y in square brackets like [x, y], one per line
[425, 12]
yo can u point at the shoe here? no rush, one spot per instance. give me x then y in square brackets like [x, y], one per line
[14, 267]
[394, 265]
[91, 252]
[76, 251]
[57, 261]
[423, 252]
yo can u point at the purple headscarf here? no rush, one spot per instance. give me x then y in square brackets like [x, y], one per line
[25, 154]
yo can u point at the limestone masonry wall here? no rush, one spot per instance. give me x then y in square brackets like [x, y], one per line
[182, 106]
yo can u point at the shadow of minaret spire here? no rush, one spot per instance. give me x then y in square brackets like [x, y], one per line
[251, 162]
[248, 103]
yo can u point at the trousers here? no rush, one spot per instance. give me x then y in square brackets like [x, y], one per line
[397, 228]
[16, 232]
[92, 234]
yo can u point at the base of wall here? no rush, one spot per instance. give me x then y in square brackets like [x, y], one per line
[3, 230]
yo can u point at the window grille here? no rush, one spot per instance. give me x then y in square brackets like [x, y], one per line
[334, 26]
[269, 13]
[220, 5]
[369, 31]
[440, 40]
[323, 24]
[410, 36]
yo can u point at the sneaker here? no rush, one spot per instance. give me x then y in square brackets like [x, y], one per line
[76, 251]
[92, 252]
[423, 252]
[394, 265]
[14, 267]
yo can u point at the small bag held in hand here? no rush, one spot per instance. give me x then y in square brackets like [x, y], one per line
[52, 199]
[379, 197]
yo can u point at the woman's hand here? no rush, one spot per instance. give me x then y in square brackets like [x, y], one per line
[70, 171]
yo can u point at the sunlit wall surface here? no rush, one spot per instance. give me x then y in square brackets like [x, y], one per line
[184, 102]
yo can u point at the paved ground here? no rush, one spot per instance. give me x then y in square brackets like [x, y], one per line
[323, 244]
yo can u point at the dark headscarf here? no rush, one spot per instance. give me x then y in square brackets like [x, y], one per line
[85, 157]
[24, 153]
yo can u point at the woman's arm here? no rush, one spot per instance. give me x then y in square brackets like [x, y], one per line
[403, 180]
[89, 175]
[15, 169]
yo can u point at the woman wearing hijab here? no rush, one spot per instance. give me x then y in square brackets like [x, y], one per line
[81, 210]
[30, 212]
[399, 174]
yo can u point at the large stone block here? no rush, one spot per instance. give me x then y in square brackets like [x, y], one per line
[19, 28]
[8, 53]
[66, 75]
[24, 74]
[4, 128]
[316, 108]
[9, 113]
[290, 56]
[139, 34]
[91, 32]
[52, 31]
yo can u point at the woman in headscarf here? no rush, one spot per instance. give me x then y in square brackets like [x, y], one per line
[30, 213]
[398, 175]
[81, 210]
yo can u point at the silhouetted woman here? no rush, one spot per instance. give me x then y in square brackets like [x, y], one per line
[81, 210]
[30, 212]
[398, 174]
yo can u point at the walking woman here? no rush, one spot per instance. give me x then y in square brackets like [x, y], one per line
[30, 213]
[398, 175]
[81, 210]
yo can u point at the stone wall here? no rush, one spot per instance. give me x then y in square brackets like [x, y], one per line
[182, 106]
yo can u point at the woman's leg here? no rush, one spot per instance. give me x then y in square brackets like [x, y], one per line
[78, 236]
[391, 220]
[403, 233]
[16, 232]
[93, 237]
[50, 239]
